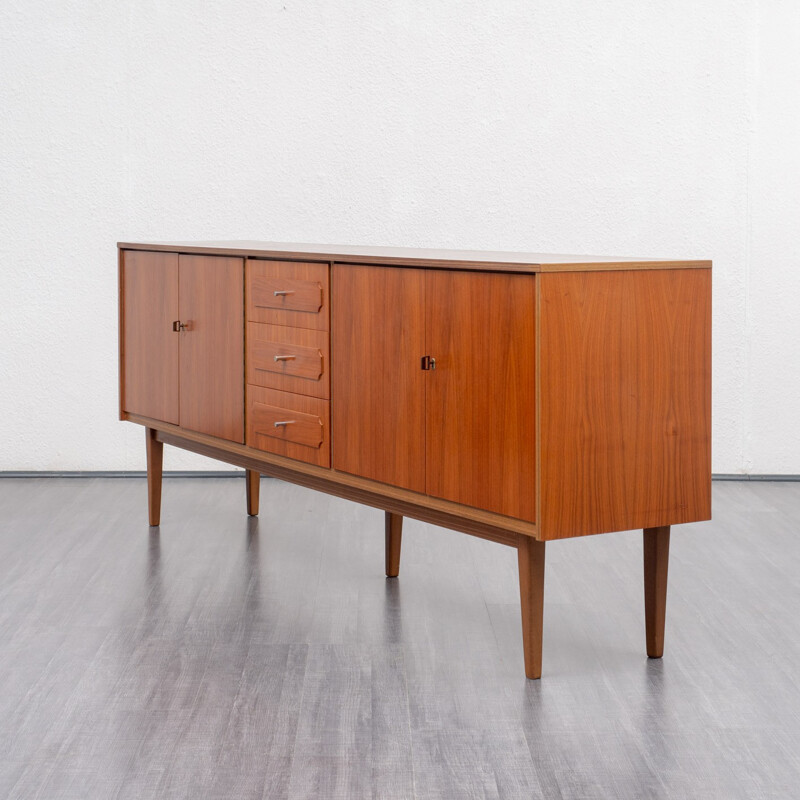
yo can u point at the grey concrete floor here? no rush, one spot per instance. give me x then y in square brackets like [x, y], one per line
[223, 657]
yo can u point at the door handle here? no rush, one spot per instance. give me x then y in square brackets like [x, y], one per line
[427, 363]
[178, 326]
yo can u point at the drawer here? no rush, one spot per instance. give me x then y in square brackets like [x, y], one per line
[290, 359]
[288, 293]
[287, 424]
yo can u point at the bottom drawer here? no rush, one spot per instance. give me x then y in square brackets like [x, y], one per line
[291, 425]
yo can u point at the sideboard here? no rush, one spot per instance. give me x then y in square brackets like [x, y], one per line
[517, 397]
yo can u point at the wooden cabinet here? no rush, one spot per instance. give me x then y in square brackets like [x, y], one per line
[182, 341]
[520, 398]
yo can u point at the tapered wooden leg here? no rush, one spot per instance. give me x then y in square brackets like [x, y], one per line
[155, 459]
[252, 481]
[394, 538]
[656, 561]
[530, 554]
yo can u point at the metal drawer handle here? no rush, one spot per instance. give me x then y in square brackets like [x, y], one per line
[282, 293]
[285, 358]
[285, 422]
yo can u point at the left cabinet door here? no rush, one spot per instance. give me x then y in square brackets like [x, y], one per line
[194, 376]
[150, 351]
[211, 303]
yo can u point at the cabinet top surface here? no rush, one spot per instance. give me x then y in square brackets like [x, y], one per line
[412, 256]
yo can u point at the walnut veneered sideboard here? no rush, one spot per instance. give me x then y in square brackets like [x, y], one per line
[513, 396]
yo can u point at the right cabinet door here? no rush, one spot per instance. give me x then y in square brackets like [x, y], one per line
[463, 431]
[480, 406]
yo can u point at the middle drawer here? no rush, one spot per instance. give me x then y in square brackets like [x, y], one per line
[290, 359]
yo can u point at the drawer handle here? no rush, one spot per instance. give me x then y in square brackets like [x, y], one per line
[282, 293]
[285, 358]
[280, 424]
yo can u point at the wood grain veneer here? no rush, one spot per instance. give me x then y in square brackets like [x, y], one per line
[480, 421]
[306, 434]
[625, 390]
[302, 359]
[305, 304]
[212, 345]
[377, 339]
[150, 351]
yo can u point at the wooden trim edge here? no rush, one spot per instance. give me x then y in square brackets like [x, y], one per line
[537, 395]
[121, 334]
[421, 262]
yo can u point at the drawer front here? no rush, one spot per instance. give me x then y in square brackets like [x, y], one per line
[291, 359]
[289, 425]
[288, 293]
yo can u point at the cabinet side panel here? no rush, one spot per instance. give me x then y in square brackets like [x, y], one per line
[480, 397]
[149, 348]
[625, 391]
[212, 346]
[377, 386]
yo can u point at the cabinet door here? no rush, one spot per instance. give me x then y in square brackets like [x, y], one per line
[378, 388]
[149, 348]
[212, 346]
[480, 398]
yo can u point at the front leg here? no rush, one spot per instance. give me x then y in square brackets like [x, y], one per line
[394, 538]
[530, 553]
[155, 460]
[252, 481]
[656, 561]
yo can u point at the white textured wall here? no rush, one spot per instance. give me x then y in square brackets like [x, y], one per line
[771, 408]
[664, 129]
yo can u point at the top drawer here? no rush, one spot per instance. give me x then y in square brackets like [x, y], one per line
[288, 293]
